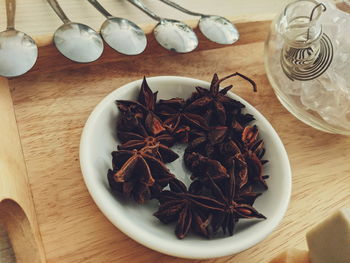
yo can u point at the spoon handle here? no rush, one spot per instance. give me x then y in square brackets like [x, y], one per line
[56, 7]
[100, 8]
[10, 12]
[182, 9]
[139, 4]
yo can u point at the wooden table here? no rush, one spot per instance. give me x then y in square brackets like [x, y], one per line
[318, 160]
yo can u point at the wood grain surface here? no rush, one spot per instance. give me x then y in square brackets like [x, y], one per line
[6, 251]
[17, 213]
[36, 18]
[53, 76]
[52, 105]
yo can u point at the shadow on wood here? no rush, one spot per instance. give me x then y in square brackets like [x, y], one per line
[19, 230]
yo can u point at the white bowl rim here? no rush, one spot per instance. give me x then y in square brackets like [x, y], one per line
[154, 242]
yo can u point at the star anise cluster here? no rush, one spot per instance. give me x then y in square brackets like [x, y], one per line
[139, 171]
[224, 154]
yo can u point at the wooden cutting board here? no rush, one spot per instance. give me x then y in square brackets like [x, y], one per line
[43, 114]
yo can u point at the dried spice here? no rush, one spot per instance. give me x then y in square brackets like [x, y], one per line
[205, 142]
[233, 210]
[135, 141]
[224, 155]
[188, 209]
[140, 112]
[177, 118]
[214, 102]
[137, 172]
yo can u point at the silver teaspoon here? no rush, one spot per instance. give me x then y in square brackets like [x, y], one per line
[18, 51]
[216, 28]
[170, 34]
[121, 34]
[76, 41]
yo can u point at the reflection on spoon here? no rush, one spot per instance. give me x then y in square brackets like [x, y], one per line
[175, 36]
[216, 28]
[171, 34]
[121, 34]
[18, 51]
[76, 41]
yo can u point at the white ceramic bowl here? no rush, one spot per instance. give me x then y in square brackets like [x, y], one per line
[99, 140]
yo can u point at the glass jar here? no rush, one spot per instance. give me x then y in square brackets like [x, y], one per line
[307, 61]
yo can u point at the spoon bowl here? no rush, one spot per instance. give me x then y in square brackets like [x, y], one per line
[170, 34]
[18, 53]
[175, 36]
[123, 36]
[218, 29]
[78, 42]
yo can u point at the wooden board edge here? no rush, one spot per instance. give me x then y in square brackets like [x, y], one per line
[17, 211]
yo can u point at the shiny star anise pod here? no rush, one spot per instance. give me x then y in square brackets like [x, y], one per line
[148, 99]
[230, 154]
[142, 112]
[214, 101]
[250, 136]
[250, 139]
[204, 142]
[235, 207]
[181, 134]
[255, 169]
[175, 117]
[202, 167]
[227, 149]
[234, 131]
[246, 195]
[136, 172]
[187, 208]
[137, 141]
[253, 152]
[132, 115]
[235, 115]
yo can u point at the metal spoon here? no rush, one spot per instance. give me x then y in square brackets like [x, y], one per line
[76, 41]
[171, 34]
[18, 51]
[216, 28]
[121, 34]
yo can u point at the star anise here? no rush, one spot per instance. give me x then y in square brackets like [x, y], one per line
[204, 142]
[250, 136]
[202, 167]
[255, 169]
[224, 155]
[214, 101]
[229, 154]
[246, 195]
[175, 117]
[145, 105]
[188, 209]
[227, 150]
[148, 99]
[235, 116]
[235, 206]
[136, 172]
[132, 141]
[234, 131]
[253, 152]
[132, 115]
[181, 134]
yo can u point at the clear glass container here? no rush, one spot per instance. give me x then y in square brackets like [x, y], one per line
[307, 60]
